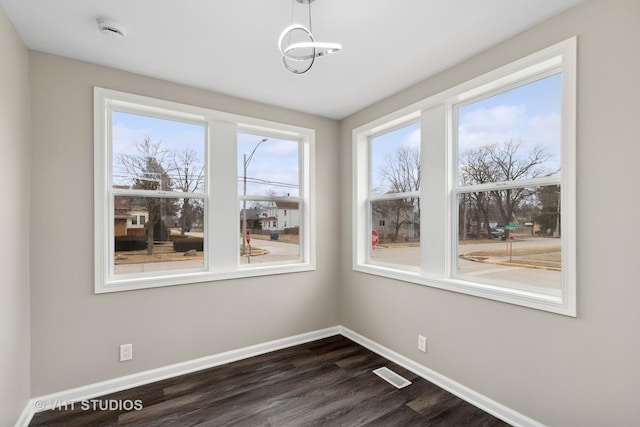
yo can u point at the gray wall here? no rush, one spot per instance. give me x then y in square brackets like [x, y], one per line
[558, 370]
[76, 334]
[14, 218]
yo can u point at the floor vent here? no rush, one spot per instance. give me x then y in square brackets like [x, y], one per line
[391, 377]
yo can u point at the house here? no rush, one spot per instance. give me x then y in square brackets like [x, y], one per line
[275, 216]
[138, 216]
[255, 218]
[281, 216]
[396, 220]
[129, 219]
[59, 338]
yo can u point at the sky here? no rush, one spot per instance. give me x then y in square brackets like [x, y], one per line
[131, 129]
[385, 145]
[273, 168]
[528, 114]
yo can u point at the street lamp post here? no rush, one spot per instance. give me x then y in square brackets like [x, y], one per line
[246, 161]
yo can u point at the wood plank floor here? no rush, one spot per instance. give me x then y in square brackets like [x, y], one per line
[328, 382]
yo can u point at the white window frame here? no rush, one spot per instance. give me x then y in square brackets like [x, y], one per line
[439, 178]
[222, 228]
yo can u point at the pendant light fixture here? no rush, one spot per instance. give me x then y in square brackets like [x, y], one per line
[298, 46]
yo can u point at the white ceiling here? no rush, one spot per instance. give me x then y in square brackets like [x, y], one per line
[230, 46]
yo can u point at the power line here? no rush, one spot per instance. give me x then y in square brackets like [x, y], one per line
[264, 181]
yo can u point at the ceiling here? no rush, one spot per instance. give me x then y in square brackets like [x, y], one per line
[230, 46]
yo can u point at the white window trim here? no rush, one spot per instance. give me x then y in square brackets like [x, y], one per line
[437, 259]
[221, 261]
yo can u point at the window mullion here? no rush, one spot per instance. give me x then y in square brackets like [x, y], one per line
[222, 239]
[434, 214]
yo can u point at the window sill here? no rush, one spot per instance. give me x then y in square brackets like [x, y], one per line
[545, 299]
[186, 278]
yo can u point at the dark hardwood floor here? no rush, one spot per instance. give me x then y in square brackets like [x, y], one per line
[323, 383]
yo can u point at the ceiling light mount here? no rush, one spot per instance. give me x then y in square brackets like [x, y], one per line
[112, 28]
[298, 46]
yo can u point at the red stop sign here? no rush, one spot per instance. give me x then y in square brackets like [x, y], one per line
[248, 236]
[511, 234]
[375, 238]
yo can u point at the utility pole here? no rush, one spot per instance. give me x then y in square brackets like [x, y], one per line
[246, 160]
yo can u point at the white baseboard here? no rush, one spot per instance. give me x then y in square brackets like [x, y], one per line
[465, 393]
[26, 415]
[90, 391]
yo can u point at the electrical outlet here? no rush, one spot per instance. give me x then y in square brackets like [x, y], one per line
[126, 352]
[422, 343]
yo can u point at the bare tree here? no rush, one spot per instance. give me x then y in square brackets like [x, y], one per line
[501, 163]
[401, 170]
[147, 170]
[401, 174]
[478, 168]
[188, 172]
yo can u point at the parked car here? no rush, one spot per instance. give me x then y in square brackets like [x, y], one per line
[495, 233]
[474, 235]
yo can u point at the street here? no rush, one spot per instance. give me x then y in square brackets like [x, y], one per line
[275, 252]
[518, 272]
[493, 267]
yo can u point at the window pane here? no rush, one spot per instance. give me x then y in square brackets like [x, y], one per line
[267, 166]
[273, 235]
[172, 239]
[395, 161]
[157, 154]
[513, 135]
[511, 235]
[396, 231]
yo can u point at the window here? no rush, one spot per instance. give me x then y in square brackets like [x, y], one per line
[157, 167]
[509, 176]
[494, 202]
[395, 194]
[270, 182]
[172, 166]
